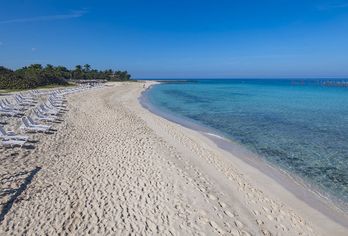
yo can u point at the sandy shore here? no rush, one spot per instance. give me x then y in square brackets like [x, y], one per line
[115, 168]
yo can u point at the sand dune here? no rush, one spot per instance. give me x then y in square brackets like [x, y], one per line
[115, 168]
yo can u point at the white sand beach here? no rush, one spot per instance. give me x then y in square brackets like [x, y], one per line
[114, 168]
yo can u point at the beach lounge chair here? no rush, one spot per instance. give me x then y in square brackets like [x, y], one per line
[40, 112]
[27, 98]
[9, 135]
[50, 106]
[12, 143]
[56, 98]
[44, 109]
[29, 128]
[44, 112]
[7, 113]
[34, 92]
[33, 123]
[3, 107]
[22, 102]
[40, 116]
[7, 103]
[56, 104]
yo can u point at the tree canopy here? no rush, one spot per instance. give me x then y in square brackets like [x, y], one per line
[36, 75]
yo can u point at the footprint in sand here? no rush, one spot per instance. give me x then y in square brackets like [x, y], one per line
[238, 224]
[212, 197]
[222, 204]
[215, 226]
[228, 213]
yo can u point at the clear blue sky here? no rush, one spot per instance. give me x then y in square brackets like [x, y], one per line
[178, 39]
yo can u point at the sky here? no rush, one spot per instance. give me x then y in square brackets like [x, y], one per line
[180, 39]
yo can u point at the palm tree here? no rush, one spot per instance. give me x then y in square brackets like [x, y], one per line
[87, 67]
[78, 67]
[49, 71]
[62, 72]
[78, 73]
[37, 67]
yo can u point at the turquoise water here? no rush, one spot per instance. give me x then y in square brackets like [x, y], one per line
[301, 127]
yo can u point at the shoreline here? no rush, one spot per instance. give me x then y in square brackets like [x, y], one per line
[114, 167]
[293, 184]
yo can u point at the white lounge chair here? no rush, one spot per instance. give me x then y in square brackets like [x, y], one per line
[51, 107]
[9, 106]
[44, 114]
[40, 116]
[10, 135]
[7, 113]
[5, 108]
[27, 98]
[55, 104]
[12, 143]
[35, 124]
[22, 102]
[28, 128]
[46, 110]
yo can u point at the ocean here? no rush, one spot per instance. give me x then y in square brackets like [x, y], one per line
[299, 126]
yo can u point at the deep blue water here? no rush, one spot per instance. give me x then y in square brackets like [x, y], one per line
[299, 126]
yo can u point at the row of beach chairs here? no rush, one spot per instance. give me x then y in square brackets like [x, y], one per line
[35, 115]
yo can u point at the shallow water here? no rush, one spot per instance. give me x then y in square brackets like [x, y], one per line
[301, 127]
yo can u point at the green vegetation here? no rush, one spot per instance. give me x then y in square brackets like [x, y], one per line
[36, 75]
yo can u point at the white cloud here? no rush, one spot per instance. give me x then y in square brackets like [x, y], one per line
[1, 43]
[33, 49]
[73, 14]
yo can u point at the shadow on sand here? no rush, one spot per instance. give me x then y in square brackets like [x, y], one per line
[15, 192]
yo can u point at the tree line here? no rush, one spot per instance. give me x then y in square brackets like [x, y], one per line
[36, 75]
